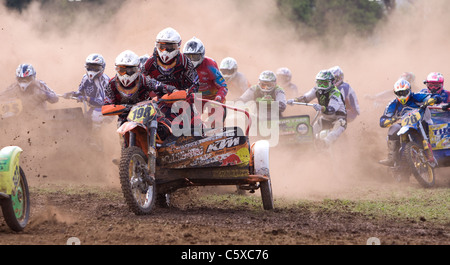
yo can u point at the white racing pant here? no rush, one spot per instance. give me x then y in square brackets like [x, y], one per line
[329, 131]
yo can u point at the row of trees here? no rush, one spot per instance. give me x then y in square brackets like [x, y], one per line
[335, 17]
[315, 18]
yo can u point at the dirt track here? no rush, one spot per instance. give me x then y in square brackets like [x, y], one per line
[101, 217]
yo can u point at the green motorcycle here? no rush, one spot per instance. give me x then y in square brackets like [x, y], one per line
[14, 193]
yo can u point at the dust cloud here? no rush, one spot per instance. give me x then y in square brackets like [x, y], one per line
[414, 38]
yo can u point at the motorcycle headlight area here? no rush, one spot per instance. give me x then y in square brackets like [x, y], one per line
[302, 128]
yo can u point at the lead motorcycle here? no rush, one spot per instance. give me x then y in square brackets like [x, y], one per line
[14, 193]
[156, 161]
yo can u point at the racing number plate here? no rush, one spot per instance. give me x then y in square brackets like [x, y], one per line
[411, 119]
[140, 113]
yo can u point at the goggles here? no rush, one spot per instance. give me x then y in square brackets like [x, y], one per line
[94, 67]
[434, 87]
[228, 71]
[402, 93]
[169, 47]
[27, 79]
[195, 57]
[267, 85]
[323, 83]
[128, 70]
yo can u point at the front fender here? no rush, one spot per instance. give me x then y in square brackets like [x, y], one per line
[405, 129]
[9, 169]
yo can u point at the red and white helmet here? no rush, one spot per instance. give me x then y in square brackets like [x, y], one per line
[168, 42]
[402, 90]
[434, 82]
[95, 65]
[127, 68]
[25, 74]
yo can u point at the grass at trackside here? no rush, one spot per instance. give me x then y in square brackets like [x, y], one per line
[431, 205]
[416, 204]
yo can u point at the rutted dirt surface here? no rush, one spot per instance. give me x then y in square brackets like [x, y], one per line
[103, 218]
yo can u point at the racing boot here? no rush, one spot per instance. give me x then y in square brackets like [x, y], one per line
[392, 153]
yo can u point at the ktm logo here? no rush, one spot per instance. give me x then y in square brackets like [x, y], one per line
[219, 145]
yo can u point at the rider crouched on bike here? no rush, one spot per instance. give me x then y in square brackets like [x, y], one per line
[435, 85]
[129, 86]
[405, 100]
[331, 105]
[212, 85]
[92, 87]
[168, 66]
[266, 90]
[33, 93]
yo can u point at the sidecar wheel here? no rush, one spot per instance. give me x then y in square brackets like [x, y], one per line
[16, 208]
[138, 188]
[416, 158]
[261, 163]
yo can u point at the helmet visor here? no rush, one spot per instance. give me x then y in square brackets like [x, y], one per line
[164, 46]
[94, 67]
[402, 93]
[323, 83]
[129, 70]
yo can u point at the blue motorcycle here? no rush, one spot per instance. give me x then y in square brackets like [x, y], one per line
[424, 139]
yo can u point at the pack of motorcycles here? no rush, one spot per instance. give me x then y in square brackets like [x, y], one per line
[154, 162]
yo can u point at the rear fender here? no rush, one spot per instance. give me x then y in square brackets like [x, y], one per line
[9, 169]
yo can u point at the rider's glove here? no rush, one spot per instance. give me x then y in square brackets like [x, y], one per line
[389, 121]
[290, 101]
[429, 102]
[218, 99]
[319, 107]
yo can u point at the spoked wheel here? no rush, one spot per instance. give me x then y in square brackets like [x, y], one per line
[416, 158]
[16, 208]
[261, 163]
[138, 187]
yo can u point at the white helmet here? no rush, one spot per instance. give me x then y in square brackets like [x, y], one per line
[228, 67]
[168, 43]
[143, 59]
[95, 65]
[127, 67]
[25, 74]
[267, 81]
[338, 75]
[284, 75]
[194, 50]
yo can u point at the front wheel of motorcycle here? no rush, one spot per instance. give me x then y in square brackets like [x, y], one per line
[416, 158]
[138, 187]
[16, 208]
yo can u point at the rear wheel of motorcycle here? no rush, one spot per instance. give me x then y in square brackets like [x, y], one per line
[138, 187]
[416, 158]
[16, 208]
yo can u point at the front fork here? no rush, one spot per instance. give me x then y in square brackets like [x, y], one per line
[151, 140]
